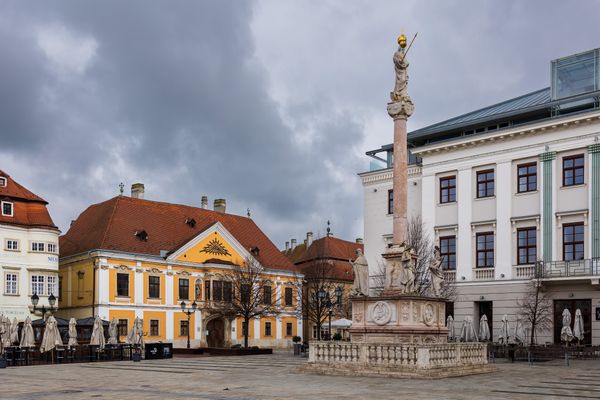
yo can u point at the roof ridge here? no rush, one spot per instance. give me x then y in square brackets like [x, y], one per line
[112, 214]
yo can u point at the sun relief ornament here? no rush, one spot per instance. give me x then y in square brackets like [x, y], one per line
[215, 247]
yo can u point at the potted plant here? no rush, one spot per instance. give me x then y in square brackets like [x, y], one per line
[296, 340]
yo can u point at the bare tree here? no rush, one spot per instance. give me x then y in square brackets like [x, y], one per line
[423, 246]
[252, 295]
[536, 305]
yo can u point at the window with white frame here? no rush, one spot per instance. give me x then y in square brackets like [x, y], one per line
[37, 284]
[11, 283]
[7, 209]
[2, 181]
[52, 248]
[12, 244]
[38, 246]
[52, 285]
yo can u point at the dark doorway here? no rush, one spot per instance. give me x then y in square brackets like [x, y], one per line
[216, 332]
[449, 310]
[585, 305]
[487, 308]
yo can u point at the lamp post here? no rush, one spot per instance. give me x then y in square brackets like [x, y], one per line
[35, 299]
[320, 298]
[330, 306]
[188, 312]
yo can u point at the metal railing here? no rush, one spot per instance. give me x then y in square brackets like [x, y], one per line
[564, 269]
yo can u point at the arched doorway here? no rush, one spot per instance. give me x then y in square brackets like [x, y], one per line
[216, 332]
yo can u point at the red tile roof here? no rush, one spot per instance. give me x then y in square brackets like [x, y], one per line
[111, 225]
[29, 210]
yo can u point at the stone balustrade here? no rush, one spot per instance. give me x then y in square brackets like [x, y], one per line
[404, 356]
[483, 274]
[523, 271]
[450, 275]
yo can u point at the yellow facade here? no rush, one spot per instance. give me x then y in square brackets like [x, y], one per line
[159, 316]
[211, 247]
[129, 315]
[177, 318]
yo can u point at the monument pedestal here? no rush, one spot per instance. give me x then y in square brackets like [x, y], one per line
[398, 318]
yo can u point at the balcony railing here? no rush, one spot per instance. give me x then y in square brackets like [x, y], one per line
[483, 274]
[564, 269]
[523, 271]
[450, 275]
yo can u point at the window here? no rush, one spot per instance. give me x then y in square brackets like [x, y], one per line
[574, 75]
[267, 329]
[289, 331]
[37, 284]
[573, 242]
[37, 246]
[12, 244]
[245, 293]
[448, 252]
[7, 208]
[227, 291]
[447, 189]
[154, 287]
[390, 201]
[527, 177]
[52, 248]
[217, 290]
[184, 289]
[485, 250]
[122, 327]
[573, 170]
[267, 295]
[526, 246]
[123, 284]
[183, 327]
[207, 290]
[485, 183]
[2, 182]
[289, 296]
[11, 283]
[153, 327]
[52, 285]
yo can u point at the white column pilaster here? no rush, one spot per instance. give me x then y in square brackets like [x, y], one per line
[170, 289]
[503, 239]
[139, 285]
[170, 327]
[464, 240]
[256, 328]
[428, 200]
[278, 328]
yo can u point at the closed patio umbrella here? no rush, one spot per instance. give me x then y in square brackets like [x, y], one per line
[51, 337]
[2, 328]
[136, 334]
[504, 330]
[450, 326]
[520, 335]
[6, 331]
[112, 332]
[14, 332]
[467, 332]
[484, 329]
[578, 325]
[72, 333]
[27, 337]
[97, 338]
[566, 334]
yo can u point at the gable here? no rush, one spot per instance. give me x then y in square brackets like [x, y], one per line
[213, 245]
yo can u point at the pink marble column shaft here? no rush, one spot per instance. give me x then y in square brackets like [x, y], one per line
[400, 181]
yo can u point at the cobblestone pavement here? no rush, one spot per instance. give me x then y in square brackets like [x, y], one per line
[276, 377]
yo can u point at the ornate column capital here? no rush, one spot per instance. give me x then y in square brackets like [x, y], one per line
[401, 109]
[594, 148]
[548, 156]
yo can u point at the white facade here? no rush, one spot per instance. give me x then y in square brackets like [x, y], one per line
[551, 207]
[25, 271]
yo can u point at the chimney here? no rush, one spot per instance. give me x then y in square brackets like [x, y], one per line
[287, 246]
[359, 240]
[204, 202]
[220, 205]
[137, 190]
[293, 244]
[309, 239]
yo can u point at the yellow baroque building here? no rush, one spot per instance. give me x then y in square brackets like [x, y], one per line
[129, 257]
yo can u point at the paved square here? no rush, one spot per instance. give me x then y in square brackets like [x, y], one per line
[276, 377]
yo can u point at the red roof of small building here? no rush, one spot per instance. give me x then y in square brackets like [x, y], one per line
[112, 224]
[29, 210]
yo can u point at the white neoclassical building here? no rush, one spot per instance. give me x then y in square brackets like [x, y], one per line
[28, 250]
[502, 187]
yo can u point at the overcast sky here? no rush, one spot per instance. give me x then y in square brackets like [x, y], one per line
[269, 104]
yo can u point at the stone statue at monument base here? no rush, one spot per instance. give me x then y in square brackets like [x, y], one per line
[360, 268]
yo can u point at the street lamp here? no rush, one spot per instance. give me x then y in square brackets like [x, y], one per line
[35, 299]
[330, 306]
[320, 297]
[188, 312]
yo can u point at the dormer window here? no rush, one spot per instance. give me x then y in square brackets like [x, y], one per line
[2, 181]
[576, 74]
[142, 235]
[255, 251]
[191, 222]
[7, 209]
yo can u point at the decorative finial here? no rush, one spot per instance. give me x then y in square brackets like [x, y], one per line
[402, 40]
[121, 188]
[248, 212]
[328, 228]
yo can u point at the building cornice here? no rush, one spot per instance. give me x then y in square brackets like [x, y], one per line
[507, 134]
[386, 175]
